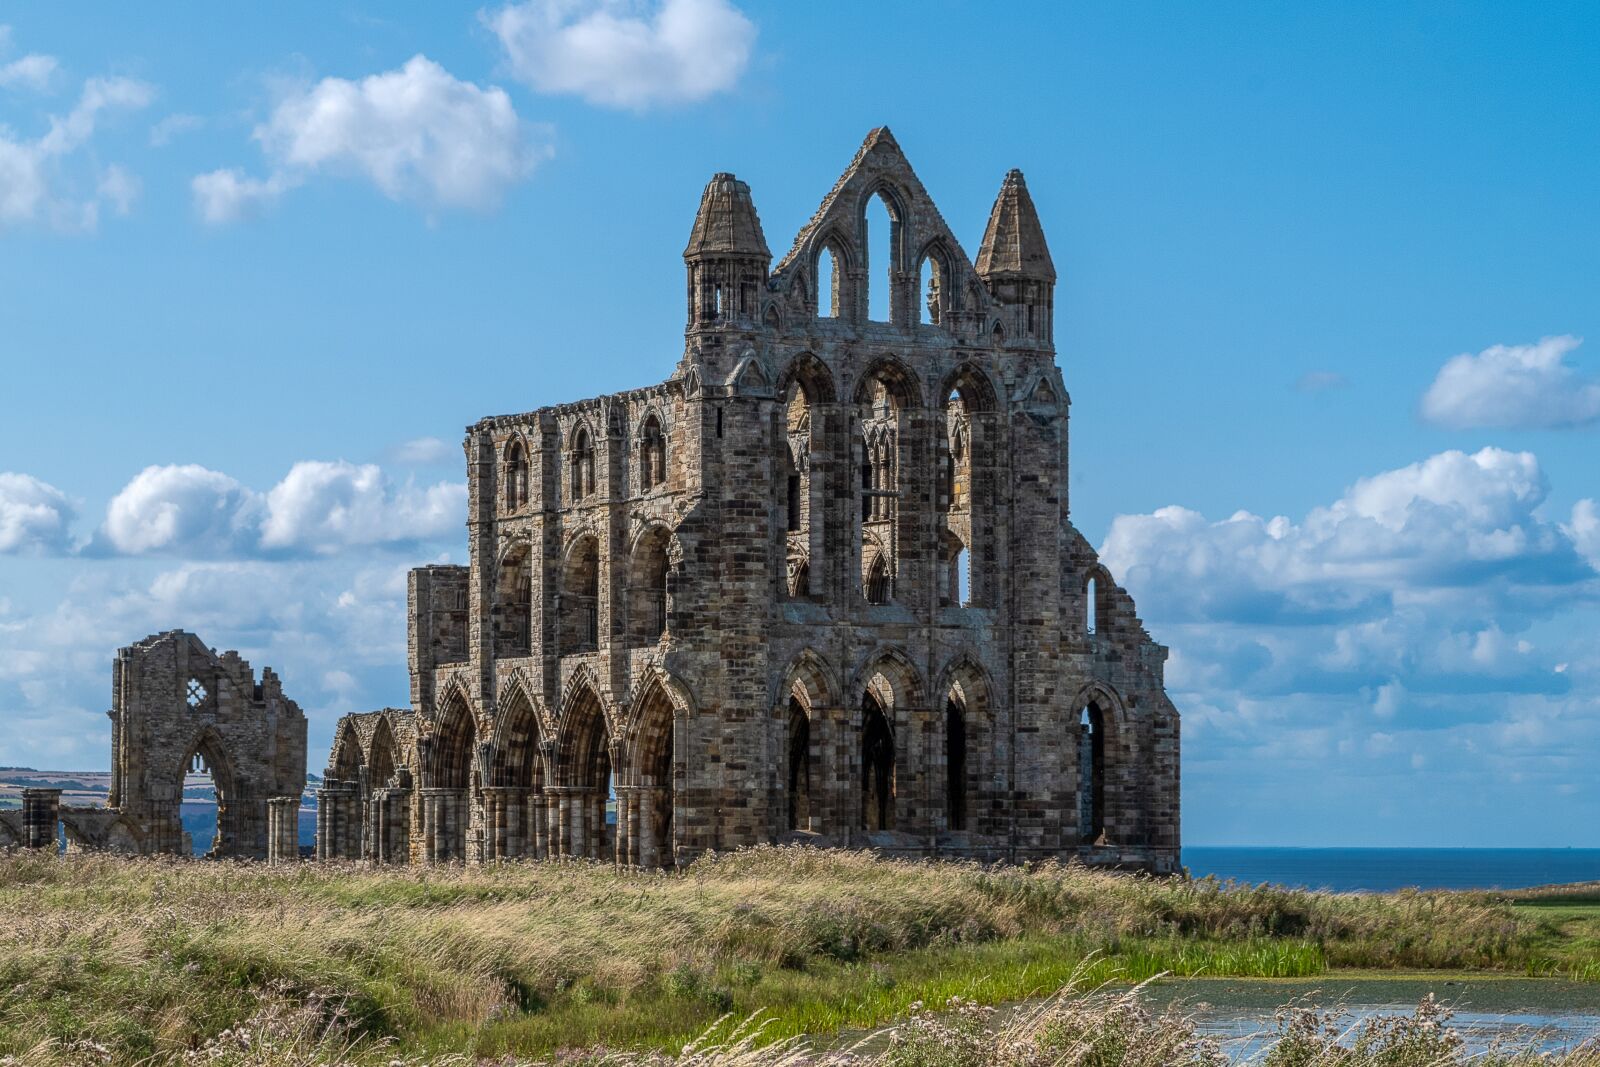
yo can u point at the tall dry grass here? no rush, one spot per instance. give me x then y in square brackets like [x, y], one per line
[154, 958]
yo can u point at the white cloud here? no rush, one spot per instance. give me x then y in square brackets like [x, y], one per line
[164, 132]
[35, 183]
[119, 189]
[181, 508]
[30, 72]
[424, 451]
[1513, 387]
[319, 508]
[323, 507]
[1584, 529]
[222, 196]
[1452, 525]
[417, 133]
[34, 515]
[625, 54]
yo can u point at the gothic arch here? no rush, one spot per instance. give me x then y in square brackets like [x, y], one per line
[455, 748]
[514, 470]
[516, 759]
[892, 663]
[347, 760]
[210, 751]
[384, 755]
[902, 382]
[972, 383]
[813, 377]
[811, 672]
[749, 377]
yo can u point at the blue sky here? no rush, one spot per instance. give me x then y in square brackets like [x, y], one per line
[1328, 266]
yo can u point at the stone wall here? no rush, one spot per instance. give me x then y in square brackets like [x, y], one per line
[820, 585]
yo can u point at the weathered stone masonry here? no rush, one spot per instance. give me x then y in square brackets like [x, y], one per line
[819, 585]
[177, 705]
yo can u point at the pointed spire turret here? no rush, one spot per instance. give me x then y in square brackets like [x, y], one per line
[1013, 244]
[727, 256]
[727, 223]
[1014, 263]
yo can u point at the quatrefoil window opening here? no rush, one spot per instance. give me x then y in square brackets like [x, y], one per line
[197, 693]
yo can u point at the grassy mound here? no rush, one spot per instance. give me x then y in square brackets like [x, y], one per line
[151, 958]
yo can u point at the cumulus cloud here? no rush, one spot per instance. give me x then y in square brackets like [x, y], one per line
[624, 54]
[316, 622]
[323, 507]
[1411, 653]
[38, 177]
[181, 508]
[319, 508]
[1513, 387]
[1453, 524]
[418, 133]
[34, 515]
[173, 126]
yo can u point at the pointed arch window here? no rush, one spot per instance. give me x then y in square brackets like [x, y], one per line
[582, 464]
[799, 738]
[955, 764]
[1091, 774]
[516, 483]
[652, 454]
[877, 766]
[881, 237]
[827, 283]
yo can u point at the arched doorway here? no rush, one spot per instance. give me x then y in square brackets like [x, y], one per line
[514, 801]
[877, 764]
[1092, 721]
[447, 812]
[587, 774]
[652, 840]
[207, 814]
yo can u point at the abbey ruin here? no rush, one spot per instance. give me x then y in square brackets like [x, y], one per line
[178, 707]
[819, 585]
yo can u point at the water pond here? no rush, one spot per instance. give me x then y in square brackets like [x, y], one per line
[1535, 1013]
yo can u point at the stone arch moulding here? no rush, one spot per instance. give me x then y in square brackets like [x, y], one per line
[813, 377]
[897, 375]
[750, 377]
[896, 666]
[809, 666]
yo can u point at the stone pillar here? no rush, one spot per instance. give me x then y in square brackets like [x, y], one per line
[431, 831]
[41, 815]
[538, 809]
[283, 829]
[578, 802]
[562, 835]
[647, 829]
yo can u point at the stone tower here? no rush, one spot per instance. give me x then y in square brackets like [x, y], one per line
[820, 585]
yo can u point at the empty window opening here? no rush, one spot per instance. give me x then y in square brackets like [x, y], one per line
[955, 765]
[719, 422]
[196, 694]
[1091, 774]
[582, 464]
[202, 810]
[516, 476]
[647, 587]
[794, 503]
[827, 285]
[1091, 598]
[881, 263]
[799, 765]
[513, 608]
[878, 581]
[799, 577]
[652, 455]
[580, 598]
[877, 766]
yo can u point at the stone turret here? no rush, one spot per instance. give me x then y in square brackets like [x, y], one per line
[1014, 263]
[727, 257]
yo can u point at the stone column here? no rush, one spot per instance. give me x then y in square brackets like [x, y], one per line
[647, 829]
[431, 830]
[538, 809]
[577, 837]
[283, 829]
[41, 814]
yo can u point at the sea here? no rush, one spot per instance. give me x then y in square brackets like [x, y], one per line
[1380, 870]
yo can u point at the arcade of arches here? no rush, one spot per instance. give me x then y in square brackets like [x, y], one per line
[819, 585]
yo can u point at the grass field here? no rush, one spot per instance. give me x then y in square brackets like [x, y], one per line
[149, 959]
